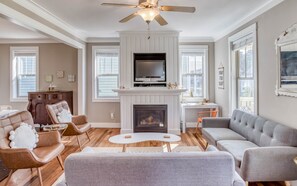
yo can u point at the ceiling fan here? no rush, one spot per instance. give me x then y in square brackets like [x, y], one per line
[150, 10]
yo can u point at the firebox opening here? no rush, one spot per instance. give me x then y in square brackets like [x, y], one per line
[150, 118]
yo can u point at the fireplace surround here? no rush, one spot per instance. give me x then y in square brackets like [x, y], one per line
[150, 118]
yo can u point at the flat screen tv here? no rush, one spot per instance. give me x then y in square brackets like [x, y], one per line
[149, 68]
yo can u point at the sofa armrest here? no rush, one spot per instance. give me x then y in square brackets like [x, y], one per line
[215, 122]
[276, 163]
[238, 181]
[79, 120]
[48, 138]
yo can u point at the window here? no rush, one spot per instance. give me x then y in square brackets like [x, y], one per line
[105, 73]
[24, 72]
[243, 70]
[194, 62]
[245, 78]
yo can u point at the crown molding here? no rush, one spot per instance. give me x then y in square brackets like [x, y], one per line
[20, 41]
[103, 40]
[269, 5]
[20, 15]
[46, 14]
[196, 39]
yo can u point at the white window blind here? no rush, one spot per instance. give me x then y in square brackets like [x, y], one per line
[106, 73]
[193, 73]
[24, 65]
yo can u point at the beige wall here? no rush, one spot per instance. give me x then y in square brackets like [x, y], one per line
[270, 25]
[99, 112]
[52, 57]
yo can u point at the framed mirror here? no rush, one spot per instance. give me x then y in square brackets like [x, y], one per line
[286, 48]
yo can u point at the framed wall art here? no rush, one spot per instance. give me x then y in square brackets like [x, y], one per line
[221, 77]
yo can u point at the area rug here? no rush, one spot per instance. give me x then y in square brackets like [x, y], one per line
[134, 150]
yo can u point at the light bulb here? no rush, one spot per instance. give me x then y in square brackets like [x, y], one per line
[148, 14]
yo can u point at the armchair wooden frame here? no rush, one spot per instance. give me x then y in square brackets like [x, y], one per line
[48, 148]
[77, 127]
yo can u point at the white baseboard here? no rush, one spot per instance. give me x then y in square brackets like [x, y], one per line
[105, 125]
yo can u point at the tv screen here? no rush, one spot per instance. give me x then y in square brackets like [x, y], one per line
[150, 69]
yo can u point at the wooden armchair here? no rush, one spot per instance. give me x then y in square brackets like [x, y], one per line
[48, 148]
[78, 126]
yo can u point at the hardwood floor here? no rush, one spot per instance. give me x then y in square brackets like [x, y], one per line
[99, 138]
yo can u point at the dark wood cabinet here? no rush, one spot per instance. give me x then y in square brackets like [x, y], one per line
[39, 100]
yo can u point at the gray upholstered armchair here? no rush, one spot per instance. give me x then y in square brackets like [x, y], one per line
[78, 126]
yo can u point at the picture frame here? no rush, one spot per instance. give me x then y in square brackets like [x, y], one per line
[221, 77]
[286, 50]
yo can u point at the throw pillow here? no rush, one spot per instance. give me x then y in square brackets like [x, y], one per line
[64, 116]
[25, 136]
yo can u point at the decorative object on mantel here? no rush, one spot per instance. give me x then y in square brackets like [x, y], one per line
[221, 77]
[51, 87]
[60, 74]
[286, 49]
[172, 85]
[295, 160]
[150, 10]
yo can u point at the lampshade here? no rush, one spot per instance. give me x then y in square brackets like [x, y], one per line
[148, 14]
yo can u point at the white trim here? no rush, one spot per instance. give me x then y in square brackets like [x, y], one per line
[232, 69]
[196, 48]
[105, 125]
[196, 39]
[191, 124]
[30, 23]
[49, 16]
[26, 41]
[104, 49]
[261, 10]
[81, 81]
[31, 49]
[103, 39]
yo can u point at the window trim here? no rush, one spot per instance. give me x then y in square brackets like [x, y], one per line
[13, 84]
[251, 30]
[94, 84]
[195, 48]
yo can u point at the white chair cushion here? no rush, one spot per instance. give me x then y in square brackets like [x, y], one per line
[64, 116]
[25, 136]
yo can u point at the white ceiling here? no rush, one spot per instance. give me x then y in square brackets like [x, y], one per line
[211, 18]
[10, 30]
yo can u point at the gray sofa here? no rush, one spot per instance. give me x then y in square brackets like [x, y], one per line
[263, 150]
[151, 169]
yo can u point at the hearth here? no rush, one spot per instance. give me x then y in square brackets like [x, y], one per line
[150, 118]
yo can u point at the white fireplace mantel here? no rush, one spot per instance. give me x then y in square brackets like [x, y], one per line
[150, 96]
[150, 91]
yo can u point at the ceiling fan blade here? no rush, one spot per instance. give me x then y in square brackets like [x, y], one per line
[161, 20]
[129, 17]
[178, 9]
[142, 1]
[116, 4]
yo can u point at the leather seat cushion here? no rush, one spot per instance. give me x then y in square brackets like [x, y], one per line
[236, 148]
[213, 135]
[83, 128]
[46, 154]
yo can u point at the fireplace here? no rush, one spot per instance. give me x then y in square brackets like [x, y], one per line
[150, 118]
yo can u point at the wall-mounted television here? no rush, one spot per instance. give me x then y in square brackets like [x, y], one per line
[150, 67]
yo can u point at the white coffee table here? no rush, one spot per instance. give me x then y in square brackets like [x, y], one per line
[131, 138]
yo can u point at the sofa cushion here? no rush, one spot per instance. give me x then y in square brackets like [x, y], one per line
[213, 135]
[236, 148]
[261, 131]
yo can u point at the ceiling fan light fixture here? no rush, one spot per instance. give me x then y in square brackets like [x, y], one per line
[148, 14]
